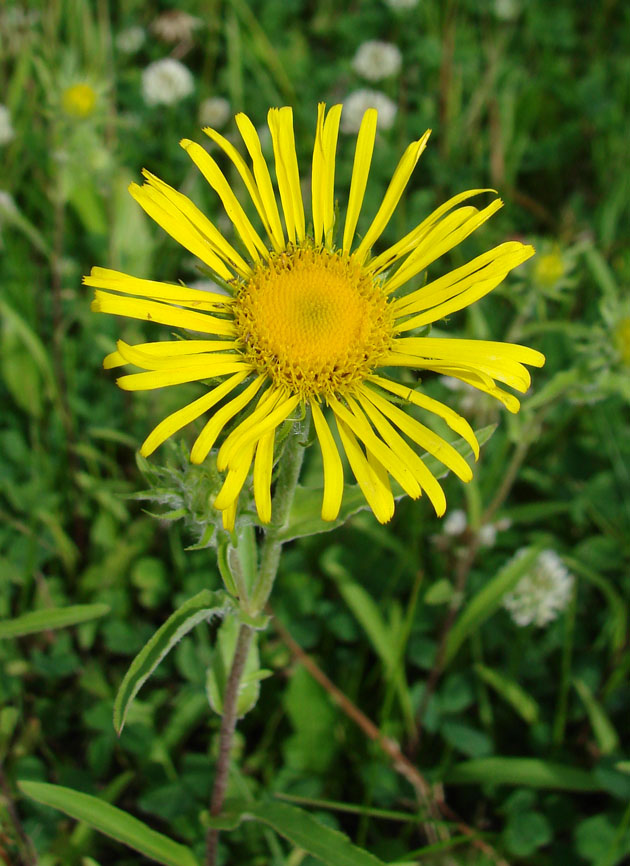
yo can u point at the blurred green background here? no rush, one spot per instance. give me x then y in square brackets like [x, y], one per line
[530, 98]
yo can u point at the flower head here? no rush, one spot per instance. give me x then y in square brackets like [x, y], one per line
[166, 81]
[78, 100]
[175, 25]
[358, 102]
[214, 111]
[311, 326]
[375, 60]
[131, 39]
[542, 593]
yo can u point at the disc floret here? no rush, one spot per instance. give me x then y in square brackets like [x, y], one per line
[314, 320]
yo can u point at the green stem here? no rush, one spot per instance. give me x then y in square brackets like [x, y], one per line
[226, 735]
[291, 465]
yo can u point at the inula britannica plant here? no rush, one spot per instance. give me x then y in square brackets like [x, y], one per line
[311, 326]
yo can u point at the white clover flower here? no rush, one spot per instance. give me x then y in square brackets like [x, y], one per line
[357, 103]
[542, 593]
[400, 5]
[175, 25]
[375, 60]
[215, 112]
[487, 535]
[8, 207]
[455, 523]
[166, 81]
[507, 10]
[130, 40]
[7, 133]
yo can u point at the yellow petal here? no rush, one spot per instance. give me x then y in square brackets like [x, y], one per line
[458, 424]
[374, 486]
[176, 420]
[230, 447]
[246, 175]
[190, 212]
[263, 178]
[178, 227]
[392, 196]
[411, 240]
[323, 180]
[165, 378]
[280, 122]
[263, 466]
[333, 468]
[228, 516]
[385, 456]
[163, 314]
[171, 349]
[494, 263]
[215, 177]
[360, 172]
[215, 425]
[423, 475]
[148, 361]
[268, 423]
[317, 176]
[479, 381]
[442, 238]
[421, 435]
[116, 281]
[234, 481]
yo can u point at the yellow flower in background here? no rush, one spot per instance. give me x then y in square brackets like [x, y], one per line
[79, 100]
[310, 324]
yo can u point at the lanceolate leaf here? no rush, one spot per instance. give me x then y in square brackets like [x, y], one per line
[298, 827]
[530, 772]
[112, 822]
[50, 618]
[307, 503]
[487, 600]
[202, 606]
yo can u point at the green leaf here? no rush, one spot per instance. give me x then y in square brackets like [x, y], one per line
[201, 607]
[307, 504]
[487, 600]
[51, 618]
[111, 821]
[528, 772]
[510, 691]
[221, 664]
[605, 733]
[617, 606]
[298, 827]
[368, 614]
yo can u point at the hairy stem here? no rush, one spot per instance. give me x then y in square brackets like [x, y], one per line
[291, 464]
[226, 735]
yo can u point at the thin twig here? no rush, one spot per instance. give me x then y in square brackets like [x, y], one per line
[29, 854]
[427, 795]
[226, 735]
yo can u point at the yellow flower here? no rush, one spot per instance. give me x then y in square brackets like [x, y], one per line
[78, 100]
[309, 324]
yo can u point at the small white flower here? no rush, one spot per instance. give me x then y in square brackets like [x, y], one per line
[455, 523]
[507, 10]
[358, 102]
[487, 535]
[215, 112]
[175, 25]
[8, 207]
[7, 133]
[166, 82]
[130, 40]
[375, 60]
[542, 593]
[402, 4]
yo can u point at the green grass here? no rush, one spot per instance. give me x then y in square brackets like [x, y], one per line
[535, 106]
